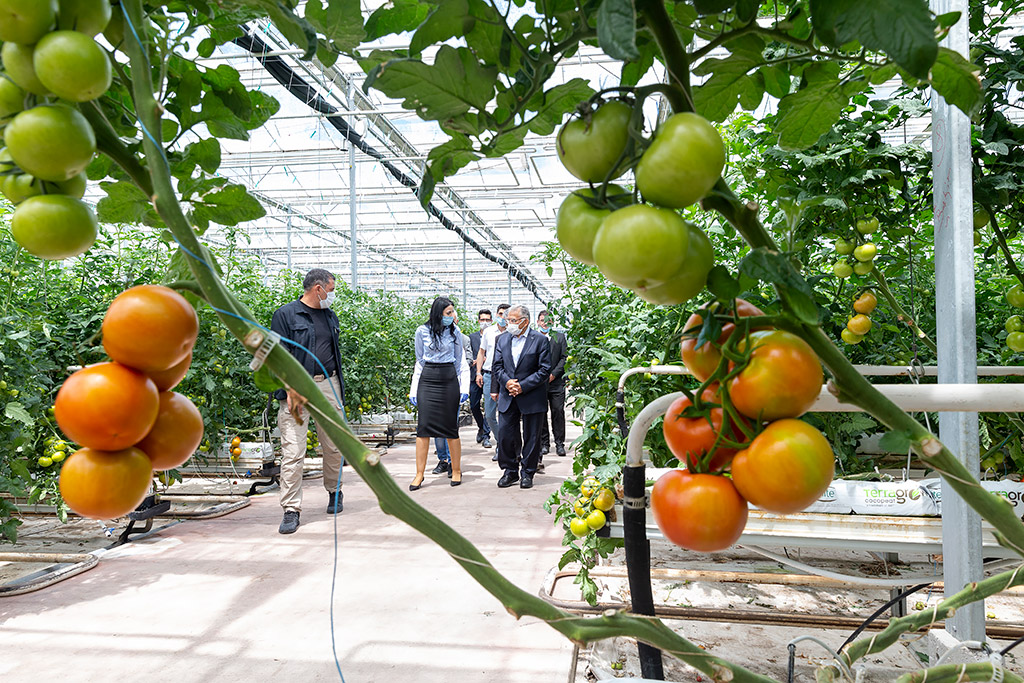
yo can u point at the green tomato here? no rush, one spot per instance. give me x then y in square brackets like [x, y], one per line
[683, 163]
[1015, 340]
[577, 224]
[981, 219]
[865, 252]
[57, 456]
[850, 337]
[72, 65]
[579, 527]
[863, 268]
[12, 98]
[85, 16]
[1014, 324]
[54, 226]
[18, 64]
[641, 246]
[26, 21]
[844, 247]
[590, 149]
[842, 269]
[51, 142]
[868, 225]
[1015, 296]
[978, 238]
[3, 385]
[596, 520]
[44, 461]
[690, 280]
[114, 32]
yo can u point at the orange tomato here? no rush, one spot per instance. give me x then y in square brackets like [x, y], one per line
[107, 406]
[177, 433]
[782, 378]
[166, 380]
[701, 362]
[702, 512]
[105, 484]
[150, 328]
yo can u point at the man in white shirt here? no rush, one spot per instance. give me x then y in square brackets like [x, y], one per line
[484, 359]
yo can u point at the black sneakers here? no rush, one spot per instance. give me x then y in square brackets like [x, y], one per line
[334, 502]
[290, 523]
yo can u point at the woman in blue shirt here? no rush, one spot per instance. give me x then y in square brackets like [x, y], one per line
[439, 383]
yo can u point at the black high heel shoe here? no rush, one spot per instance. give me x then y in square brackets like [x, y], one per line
[416, 487]
[456, 482]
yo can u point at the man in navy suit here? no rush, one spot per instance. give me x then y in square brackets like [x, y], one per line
[519, 375]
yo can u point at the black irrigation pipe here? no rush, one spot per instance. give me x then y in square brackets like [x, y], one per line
[303, 91]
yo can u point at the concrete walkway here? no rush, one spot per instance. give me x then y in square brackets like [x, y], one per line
[230, 599]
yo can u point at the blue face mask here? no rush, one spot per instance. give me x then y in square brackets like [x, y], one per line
[447, 320]
[501, 323]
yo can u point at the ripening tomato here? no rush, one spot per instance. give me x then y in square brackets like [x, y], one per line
[866, 302]
[107, 406]
[781, 379]
[702, 512]
[150, 328]
[175, 435]
[105, 484]
[701, 362]
[166, 380]
[691, 438]
[786, 467]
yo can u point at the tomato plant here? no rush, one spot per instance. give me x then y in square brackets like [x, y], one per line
[702, 512]
[785, 468]
[782, 377]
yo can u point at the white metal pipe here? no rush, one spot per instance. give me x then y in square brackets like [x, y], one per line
[973, 398]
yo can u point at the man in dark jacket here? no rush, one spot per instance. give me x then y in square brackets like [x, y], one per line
[556, 387]
[310, 323]
[519, 375]
[476, 393]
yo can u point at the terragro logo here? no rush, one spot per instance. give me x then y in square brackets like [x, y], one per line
[897, 495]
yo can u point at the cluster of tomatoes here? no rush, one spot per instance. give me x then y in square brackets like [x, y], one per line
[740, 441]
[863, 252]
[648, 249]
[590, 507]
[859, 324]
[311, 442]
[236, 448]
[49, 54]
[123, 413]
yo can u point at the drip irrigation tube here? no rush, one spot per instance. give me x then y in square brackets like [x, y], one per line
[303, 91]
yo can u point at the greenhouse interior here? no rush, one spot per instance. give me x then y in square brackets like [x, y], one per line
[512, 340]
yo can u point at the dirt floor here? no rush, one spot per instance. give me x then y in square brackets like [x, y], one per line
[230, 599]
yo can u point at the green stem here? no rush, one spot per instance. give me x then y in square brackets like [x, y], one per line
[676, 61]
[1011, 263]
[945, 609]
[109, 142]
[901, 313]
[957, 673]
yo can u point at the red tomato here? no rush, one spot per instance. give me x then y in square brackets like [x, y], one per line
[107, 406]
[690, 438]
[786, 467]
[105, 484]
[703, 361]
[177, 433]
[149, 328]
[166, 380]
[702, 512]
[782, 379]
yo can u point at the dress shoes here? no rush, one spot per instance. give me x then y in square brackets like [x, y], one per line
[334, 502]
[526, 482]
[486, 443]
[440, 468]
[508, 479]
[540, 468]
[544, 450]
[560, 450]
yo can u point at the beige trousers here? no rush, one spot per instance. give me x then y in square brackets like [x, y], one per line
[293, 448]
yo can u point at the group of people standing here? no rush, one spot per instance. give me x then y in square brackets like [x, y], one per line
[517, 370]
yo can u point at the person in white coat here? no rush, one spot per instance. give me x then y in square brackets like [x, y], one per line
[440, 383]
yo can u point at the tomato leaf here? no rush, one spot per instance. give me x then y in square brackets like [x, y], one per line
[557, 102]
[616, 29]
[776, 268]
[903, 30]
[809, 113]
[957, 80]
[340, 22]
[895, 442]
[126, 203]
[396, 16]
[16, 411]
[450, 18]
[722, 284]
[716, 99]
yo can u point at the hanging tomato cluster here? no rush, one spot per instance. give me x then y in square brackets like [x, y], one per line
[50, 59]
[123, 413]
[738, 439]
[645, 247]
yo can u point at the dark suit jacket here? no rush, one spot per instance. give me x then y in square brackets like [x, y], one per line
[532, 372]
[474, 343]
[559, 350]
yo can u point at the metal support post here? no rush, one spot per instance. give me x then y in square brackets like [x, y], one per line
[956, 331]
[352, 196]
[288, 234]
[465, 290]
[510, 286]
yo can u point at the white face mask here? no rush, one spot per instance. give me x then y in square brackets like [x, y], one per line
[326, 303]
[520, 330]
[484, 324]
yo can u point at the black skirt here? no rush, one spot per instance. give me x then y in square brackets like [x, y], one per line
[437, 400]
